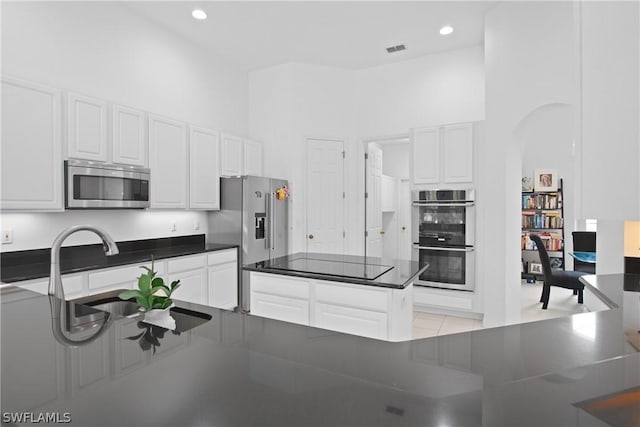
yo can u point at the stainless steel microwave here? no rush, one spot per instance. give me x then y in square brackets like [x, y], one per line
[94, 185]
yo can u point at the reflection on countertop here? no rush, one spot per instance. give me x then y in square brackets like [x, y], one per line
[238, 369]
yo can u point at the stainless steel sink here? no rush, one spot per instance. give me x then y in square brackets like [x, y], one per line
[89, 309]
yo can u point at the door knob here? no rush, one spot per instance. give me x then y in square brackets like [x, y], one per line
[381, 231]
[310, 236]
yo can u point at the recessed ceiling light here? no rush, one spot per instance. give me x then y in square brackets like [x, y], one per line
[446, 30]
[199, 14]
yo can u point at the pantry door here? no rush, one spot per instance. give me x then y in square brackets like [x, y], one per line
[325, 196]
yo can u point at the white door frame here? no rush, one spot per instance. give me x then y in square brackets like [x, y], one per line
[397, 138]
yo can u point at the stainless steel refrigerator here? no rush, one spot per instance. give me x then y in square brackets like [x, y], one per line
[254, 218]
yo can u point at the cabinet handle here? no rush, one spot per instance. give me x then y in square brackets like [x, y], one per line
[403, 228]
[381, 231]
[311, 236]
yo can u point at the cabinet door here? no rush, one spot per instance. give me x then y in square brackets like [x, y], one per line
[31, 147]
[232, 156]
[223, 286]
[458, 153]
[204, 169]
[252, 158]
[168, 163]
[119, 277]
[90, 364]
[350, 320]
[425, 143]
[129, 142]
[280, 308]
[86, 127]
[193, 286]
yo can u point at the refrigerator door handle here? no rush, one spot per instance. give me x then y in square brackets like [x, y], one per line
[267, 209]
[272, 237]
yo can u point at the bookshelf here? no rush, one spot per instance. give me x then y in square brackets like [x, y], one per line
[543, 214]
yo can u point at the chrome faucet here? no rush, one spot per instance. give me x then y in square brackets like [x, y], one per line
[55, 281]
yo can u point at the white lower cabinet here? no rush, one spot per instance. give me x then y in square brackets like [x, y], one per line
[192, 274]
[375, 312]
[223, 279]
[280, 297]
[351, 320]
[207, 279]
[119, 277]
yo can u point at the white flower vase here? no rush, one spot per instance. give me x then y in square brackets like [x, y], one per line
[160, 318]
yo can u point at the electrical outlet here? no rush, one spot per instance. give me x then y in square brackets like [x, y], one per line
[196, 225]
[173, 226]
[7, 237]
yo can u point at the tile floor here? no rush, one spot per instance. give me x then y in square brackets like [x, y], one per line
[562, 303]
[427, 325]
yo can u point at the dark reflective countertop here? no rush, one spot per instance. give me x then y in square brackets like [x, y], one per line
[35, 264]
[239, 370]
[372, 271]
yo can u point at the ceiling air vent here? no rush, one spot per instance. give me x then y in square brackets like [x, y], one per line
[397, 48]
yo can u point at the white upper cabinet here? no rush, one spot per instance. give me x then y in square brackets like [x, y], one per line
[129, 142]
[204, 169]
[252, 158]
[458, 153]
[168, 163]
[86, 127]
[232, 155]
[442, 154]
[425, 157]
[31, 146]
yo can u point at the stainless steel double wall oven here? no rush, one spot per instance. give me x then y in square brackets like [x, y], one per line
[444, 237]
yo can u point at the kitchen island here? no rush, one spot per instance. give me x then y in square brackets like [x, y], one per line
[364, 296]
[236, 369]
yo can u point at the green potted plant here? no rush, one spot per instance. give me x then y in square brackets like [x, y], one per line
[153, 297]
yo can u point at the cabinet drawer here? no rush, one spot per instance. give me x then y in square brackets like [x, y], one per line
[275, 284]
[424, 297]
[186, 263]
[280, 308]
[125, 276]
[351, 320]
[220, 257]
[358, 297]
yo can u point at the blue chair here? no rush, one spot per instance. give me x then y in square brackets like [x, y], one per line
[560, 278]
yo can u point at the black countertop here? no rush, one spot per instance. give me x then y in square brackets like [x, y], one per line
[240, 370]
[384, 272]
[35, 264]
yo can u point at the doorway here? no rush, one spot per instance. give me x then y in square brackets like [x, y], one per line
[325, 196]
[387, 197]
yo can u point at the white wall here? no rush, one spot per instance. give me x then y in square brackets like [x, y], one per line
[528, 64]
[289, 103]
[432, 90]
[395, 160]
[105, 50]
[610, 110]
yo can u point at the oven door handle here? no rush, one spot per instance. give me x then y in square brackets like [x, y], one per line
[438, 204]
[439, 248]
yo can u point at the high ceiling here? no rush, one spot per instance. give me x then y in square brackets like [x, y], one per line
[343, 34]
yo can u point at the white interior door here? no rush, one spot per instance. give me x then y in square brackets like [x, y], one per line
[374, 201]
[325, 196]
[404, 220]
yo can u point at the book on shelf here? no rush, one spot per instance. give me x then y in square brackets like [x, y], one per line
[552, 241]
[542, 201]
[531, 219]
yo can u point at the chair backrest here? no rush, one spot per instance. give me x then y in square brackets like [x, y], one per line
[544, 257]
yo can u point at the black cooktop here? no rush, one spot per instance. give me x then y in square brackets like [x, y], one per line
[334, 268]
